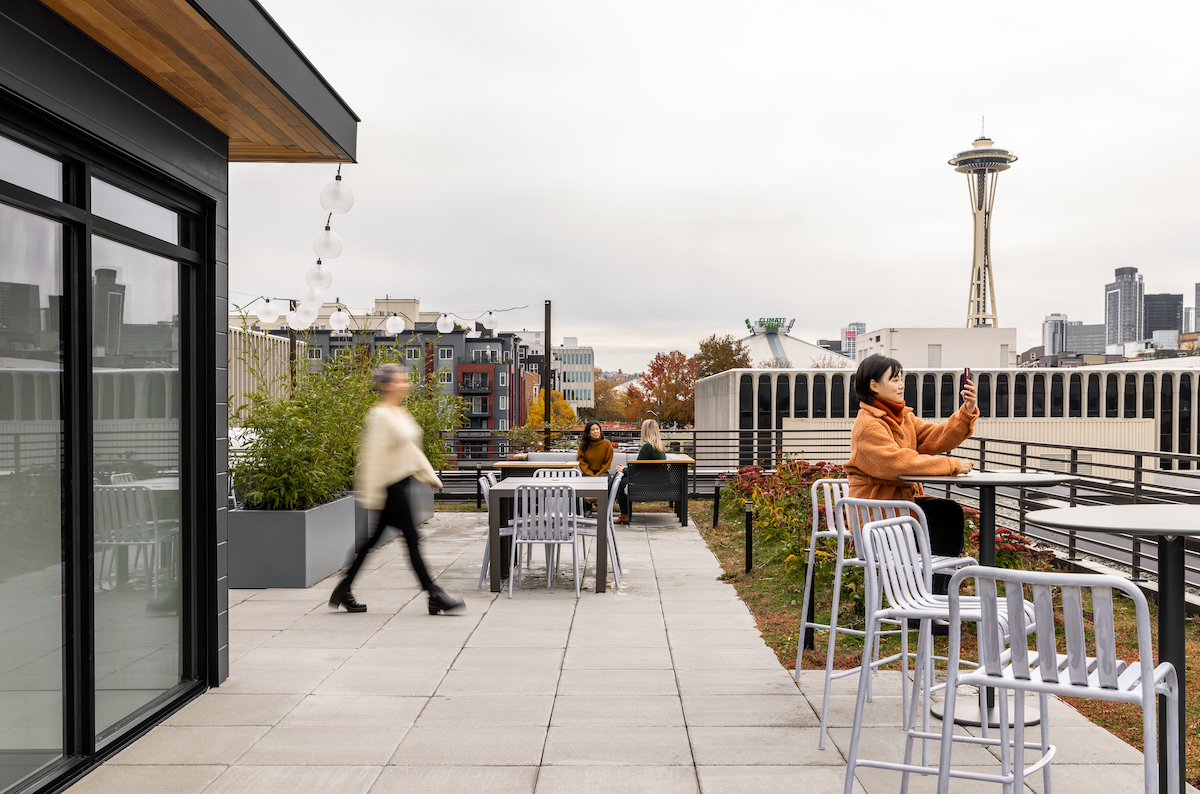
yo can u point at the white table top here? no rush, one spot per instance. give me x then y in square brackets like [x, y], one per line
[1132, 519]
[585, 486]
[977, 478]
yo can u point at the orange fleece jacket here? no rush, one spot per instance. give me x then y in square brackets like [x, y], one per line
[597, 459]
[882, 450]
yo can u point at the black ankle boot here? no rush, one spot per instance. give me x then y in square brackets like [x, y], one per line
[342, 596]
[441, 601]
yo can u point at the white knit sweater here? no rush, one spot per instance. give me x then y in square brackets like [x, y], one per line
[390, 451]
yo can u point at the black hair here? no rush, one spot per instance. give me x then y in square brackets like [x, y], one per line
[587, 435]
[873, 368]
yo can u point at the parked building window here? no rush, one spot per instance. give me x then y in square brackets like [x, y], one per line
[947, 397]
[1075, 397]
[412, 353]
[1039, 397]
[445, 354]
[445, 376]
[801, 404]
[1130, 397]
[314, 352]
[503, 378]
[985, 395]
[818, 398]
[503, 424]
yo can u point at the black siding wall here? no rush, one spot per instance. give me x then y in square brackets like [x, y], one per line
[67, 79]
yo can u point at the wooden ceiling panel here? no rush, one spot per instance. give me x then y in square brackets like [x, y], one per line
[173, 45]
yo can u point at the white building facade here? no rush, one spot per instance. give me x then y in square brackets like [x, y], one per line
[943, 347]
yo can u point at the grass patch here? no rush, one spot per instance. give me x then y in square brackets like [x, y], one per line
[773, 591]
[457, 507]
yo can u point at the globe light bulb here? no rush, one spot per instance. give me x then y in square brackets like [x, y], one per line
[295, 323]
[312, 297]
[339, 320]
[336, 196]
[306, 314]
[327, 244]
[491, 321]
[268, 312]
[444, 324]
[394, 325]
[319, 276]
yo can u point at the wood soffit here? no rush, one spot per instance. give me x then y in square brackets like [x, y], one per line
[173, 45]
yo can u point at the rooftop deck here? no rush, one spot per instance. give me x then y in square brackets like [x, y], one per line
[662, 686]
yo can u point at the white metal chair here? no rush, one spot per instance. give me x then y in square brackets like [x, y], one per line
[899, 575]
[125, 517]
[843, 519]
[122, 478]
[1043, 670]
[485, 485]
[546, 514]
[588, 527]
[557, 472]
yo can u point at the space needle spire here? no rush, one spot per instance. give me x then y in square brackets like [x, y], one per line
[982, 164]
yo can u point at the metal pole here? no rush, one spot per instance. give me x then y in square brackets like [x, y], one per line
[716, 504]
[1074, 471]
[749, 535]
[291, 348]
[1136, 573]
[546, 389]
[478, 486]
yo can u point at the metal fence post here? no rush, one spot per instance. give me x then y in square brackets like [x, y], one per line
[749, 535]
[716, 504]
[1136, 559]
[982, 454]
[478, 486]
[1021, 493]
[1074, 472]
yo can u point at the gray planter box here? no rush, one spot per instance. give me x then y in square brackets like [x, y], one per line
[290, 548]
[422, 507]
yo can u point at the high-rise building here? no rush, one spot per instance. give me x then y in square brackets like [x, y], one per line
[1164, 312]
[850, 333]
[1085, 339]
[1054, 334]
[1124, 308]
[1189, 320]
[982, 164]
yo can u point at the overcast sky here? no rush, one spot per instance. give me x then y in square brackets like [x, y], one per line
[663, 169]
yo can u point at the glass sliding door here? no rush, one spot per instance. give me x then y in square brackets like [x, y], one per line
[137, 527]
[31, 473]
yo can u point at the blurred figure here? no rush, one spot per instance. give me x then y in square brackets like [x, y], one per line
[389, 460]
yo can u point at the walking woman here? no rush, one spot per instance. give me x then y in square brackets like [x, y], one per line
[389, 461]
[652, 449]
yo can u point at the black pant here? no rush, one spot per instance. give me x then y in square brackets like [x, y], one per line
[623, 496]
[947, 531]
[397, 512]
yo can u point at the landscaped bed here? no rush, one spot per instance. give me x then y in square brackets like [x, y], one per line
[774, 588]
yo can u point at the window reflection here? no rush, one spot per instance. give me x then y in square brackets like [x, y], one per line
[110, 201]
[31, 170]
[136, 504]
[31, 483]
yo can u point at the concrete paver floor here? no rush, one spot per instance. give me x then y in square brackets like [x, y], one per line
[662, 686]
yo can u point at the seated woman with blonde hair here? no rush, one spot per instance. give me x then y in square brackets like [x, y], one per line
[652, 449]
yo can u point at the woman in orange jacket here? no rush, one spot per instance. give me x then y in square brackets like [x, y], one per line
[889, 441]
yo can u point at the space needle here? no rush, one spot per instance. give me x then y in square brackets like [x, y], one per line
[982, 164]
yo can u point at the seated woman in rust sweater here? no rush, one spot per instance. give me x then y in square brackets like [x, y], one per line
[595, 451]
[889, 441]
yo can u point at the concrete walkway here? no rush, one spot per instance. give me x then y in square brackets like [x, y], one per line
[662, 686]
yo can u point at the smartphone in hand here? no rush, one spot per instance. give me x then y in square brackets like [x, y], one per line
[966, 373]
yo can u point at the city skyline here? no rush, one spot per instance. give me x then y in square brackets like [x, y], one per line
[663, 171]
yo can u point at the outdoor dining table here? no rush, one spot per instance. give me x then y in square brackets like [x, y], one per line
[526, 468]
[1170, 523]
[500, 507]
[966, 711]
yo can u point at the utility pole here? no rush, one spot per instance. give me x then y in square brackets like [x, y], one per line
[546, 390]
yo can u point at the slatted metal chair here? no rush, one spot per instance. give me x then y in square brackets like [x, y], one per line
[485, 485]
[588, 527]
[899, 573]
[122, 478]
[842, 518]
[1086, 670]
[575, 472]
[125, 517]
[546, 514]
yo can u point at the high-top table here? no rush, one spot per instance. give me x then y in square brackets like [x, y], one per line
[966, 710]
[500, 505]
[1170, 524]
